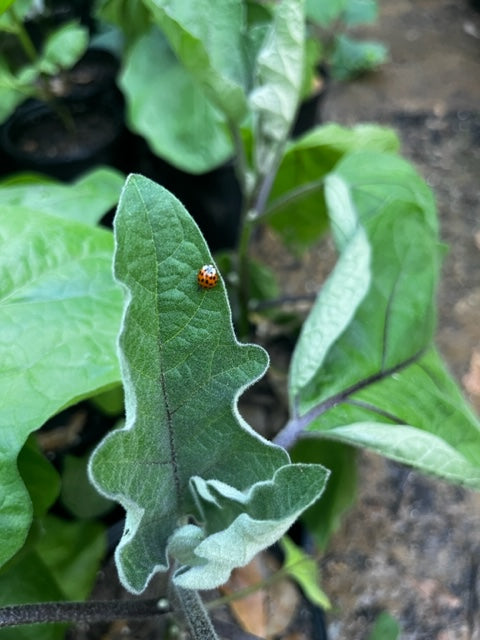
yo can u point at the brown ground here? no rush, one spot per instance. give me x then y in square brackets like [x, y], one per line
[411, 545]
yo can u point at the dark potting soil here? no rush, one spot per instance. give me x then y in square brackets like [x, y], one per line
[48, 138]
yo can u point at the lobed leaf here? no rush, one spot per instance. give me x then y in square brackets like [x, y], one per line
[194, 478]
[55, 282]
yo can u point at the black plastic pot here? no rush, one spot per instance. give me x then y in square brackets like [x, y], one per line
[36, 139]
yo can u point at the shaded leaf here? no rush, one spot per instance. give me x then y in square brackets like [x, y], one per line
[40, 477]
[323, 518]
[62, 565]
[296, 207]
[351, 58]
[170, 109]
[187, 453]
[78, 495]
[63, 48]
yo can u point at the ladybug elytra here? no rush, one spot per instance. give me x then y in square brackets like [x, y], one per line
[207, 277]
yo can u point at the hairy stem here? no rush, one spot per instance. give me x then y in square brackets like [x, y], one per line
[196, 615]
[14, 615]
[294, 428]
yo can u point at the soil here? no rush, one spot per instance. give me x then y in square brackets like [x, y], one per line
[410, 546]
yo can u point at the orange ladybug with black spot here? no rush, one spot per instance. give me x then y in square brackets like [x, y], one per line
[207, 276]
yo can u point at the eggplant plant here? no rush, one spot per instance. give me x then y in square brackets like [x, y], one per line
[202, 491]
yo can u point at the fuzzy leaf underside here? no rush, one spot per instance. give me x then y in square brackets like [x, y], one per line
[278, 80]
[59, 314]
[183, 371]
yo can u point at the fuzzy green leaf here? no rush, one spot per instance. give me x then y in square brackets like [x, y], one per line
[86, 200]
[59, 315]
[170, 109]
[332, 313]
[185, 454]
[351, 58]
[381, 385]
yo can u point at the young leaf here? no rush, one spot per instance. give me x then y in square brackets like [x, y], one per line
[324, 13]
[303, 569]
[185, 454]
[170, 109]
[56, 287]
[275, 96]
[63, 48]
[86, 200]
[386, 627]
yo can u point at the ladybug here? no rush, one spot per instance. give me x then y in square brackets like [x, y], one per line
[207, 277]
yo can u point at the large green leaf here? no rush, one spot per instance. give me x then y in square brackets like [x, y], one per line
[170, 109]
[185, 454]
[86, 200]
[59, 316]
[381, 385]
[296, 207]
[278, 82]
[216, 58]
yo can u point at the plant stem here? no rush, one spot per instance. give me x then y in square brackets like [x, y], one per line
[23, 36]
[14, 615]
[196, 615]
